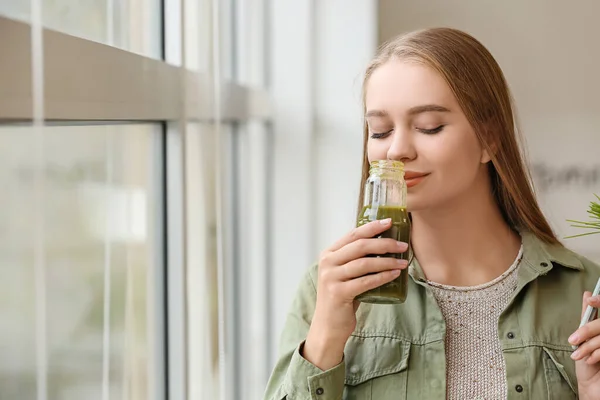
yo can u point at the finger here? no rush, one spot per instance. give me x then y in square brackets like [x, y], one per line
[586, 349]
[586, 297]
[586, 332]
[360, 285]
[593, 301]
[369, 230]
[594, 357]
[369, 265]
[575, 338]
[364, 247]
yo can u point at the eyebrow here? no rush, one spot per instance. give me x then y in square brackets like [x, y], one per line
[413, 111]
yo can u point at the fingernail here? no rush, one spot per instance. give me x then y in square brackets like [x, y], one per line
[574, 338]
[402, 246]
[402, 261]
[396, 272]
[385, 221]
[575, 355]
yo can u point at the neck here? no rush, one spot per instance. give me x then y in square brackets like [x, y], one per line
[465, 243]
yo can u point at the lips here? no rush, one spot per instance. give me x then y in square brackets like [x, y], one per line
[413, 178]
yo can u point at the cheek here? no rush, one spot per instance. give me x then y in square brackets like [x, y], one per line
[377, 149]
[454, 156]
[459, 143]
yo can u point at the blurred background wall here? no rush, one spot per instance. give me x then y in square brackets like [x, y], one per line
[170, 170]
[547, 52]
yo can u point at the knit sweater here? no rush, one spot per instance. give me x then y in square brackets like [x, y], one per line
[474, 363]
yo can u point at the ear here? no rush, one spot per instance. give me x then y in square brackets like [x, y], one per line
[485, 155]
[490, 148]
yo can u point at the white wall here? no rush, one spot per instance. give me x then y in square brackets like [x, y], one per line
[291, 86]
[346, 42]
[318, 53]
[549, 53]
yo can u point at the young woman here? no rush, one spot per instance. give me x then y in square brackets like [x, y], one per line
[494, 300]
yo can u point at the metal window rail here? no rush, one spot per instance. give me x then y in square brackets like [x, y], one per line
[90, 81]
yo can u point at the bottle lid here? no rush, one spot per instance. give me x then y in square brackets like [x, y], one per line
[388, 164]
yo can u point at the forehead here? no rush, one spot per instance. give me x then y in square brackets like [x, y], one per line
[400, 85]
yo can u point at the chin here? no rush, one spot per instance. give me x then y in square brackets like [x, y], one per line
[414, 203]
[421, 201]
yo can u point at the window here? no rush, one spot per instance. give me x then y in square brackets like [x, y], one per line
[102, 266]
[113, 235]
[133, 25]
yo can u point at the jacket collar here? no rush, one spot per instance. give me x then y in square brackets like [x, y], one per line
[538, 253]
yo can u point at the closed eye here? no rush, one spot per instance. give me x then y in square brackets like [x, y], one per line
[375, 135]
[431, 131]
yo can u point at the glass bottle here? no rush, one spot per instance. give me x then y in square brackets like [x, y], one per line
[385, 197]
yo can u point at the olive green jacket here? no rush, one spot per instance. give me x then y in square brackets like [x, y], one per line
[397, 351]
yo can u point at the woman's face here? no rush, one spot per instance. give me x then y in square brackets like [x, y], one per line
[412, 116]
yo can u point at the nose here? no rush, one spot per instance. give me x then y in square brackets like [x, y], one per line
[402, 147]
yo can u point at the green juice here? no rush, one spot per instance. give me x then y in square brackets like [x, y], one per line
[395, 291]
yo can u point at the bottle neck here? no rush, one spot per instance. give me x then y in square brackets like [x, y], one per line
[386, 185]
[387, 168]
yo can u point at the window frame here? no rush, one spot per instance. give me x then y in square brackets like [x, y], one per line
[87, 82]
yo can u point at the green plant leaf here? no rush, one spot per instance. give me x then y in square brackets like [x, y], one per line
[593, 224]
[582, 234]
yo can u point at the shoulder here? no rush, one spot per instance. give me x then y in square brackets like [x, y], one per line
[560, 269]
[307, 287]
[589, 269]
[565, 257]
[312, 274]
[537, 252]
[308, 281]
[573, 269]
[587, 264]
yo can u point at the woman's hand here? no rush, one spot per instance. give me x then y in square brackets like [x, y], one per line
[344, 273]
[587, 356]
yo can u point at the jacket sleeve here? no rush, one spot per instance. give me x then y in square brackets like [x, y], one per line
[293, 377]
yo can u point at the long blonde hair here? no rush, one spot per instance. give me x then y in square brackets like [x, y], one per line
[479, 85]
